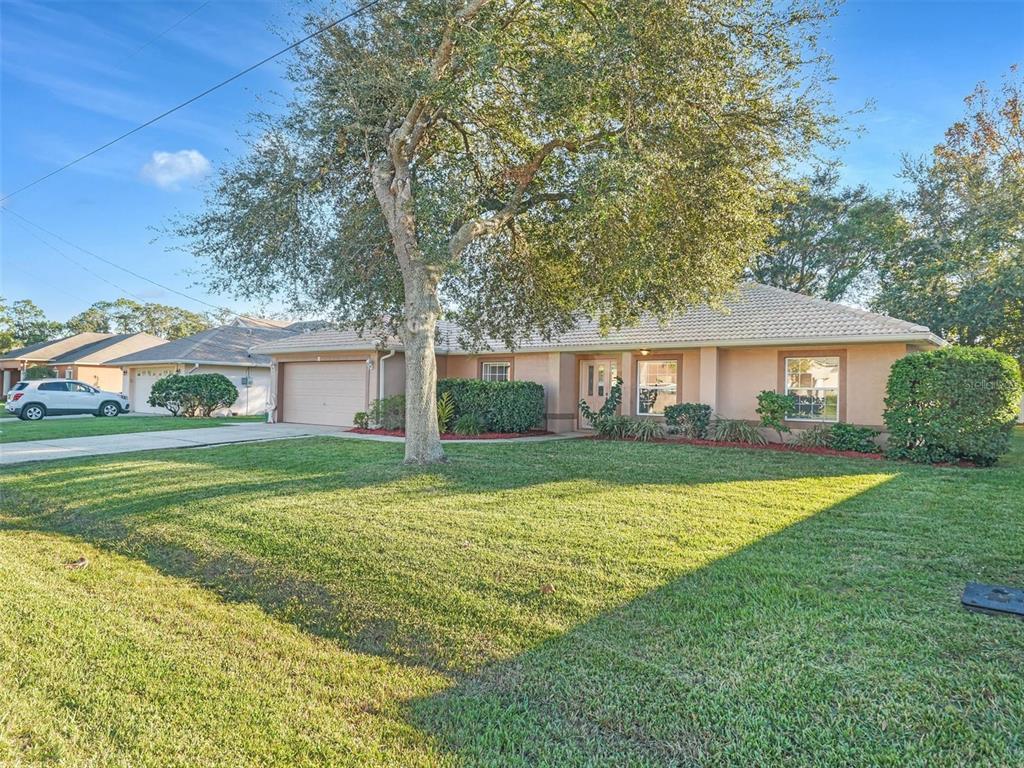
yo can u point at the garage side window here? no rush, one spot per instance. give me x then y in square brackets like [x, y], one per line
[814, 383]
[495, 371]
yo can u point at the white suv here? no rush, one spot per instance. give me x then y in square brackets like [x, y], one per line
[32, 400]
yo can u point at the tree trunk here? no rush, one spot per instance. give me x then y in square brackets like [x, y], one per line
[393, 188]
[422, 309]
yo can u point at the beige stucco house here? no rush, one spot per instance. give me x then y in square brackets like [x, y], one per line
[224, 350]
[84, 357]
[834, 358]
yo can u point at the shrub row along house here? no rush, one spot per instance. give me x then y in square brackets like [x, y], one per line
[834, 359]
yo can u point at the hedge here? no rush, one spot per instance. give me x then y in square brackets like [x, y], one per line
[952, 404]
[197, 394]
[501, 406]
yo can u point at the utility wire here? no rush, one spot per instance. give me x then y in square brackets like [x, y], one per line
[78, 264]
[111, 263]
[156, 37]
[195, 98]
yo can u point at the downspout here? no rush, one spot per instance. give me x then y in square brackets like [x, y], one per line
[380, 374]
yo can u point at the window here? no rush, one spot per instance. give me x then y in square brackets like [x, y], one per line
[68, 373]
[814, 382]
[77, 386]
[655, 386]
[19, 385]
[53, 386]
[495, 371]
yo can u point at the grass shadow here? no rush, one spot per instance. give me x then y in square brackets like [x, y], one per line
[836, 641]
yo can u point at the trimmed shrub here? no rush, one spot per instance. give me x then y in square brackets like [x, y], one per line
[501, 406]
[197, 394]
[388, 413]
[468, 424]
[361, 420]
[952, 404]
[689, 419]
[846, 437]
[40, 372]
[772, 408]
[736, 431]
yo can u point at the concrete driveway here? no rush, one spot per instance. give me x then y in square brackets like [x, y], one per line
[100, 445]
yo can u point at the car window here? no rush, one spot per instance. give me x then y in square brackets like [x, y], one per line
[20, 385]
[53, 386]
[77, 386]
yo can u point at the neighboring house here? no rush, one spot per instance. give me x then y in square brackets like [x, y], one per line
[834, 358]
[83, 356]
[217, 350]
[91, 363]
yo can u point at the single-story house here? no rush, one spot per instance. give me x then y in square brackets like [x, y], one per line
[216, 350]
[835, 359]
[91, 363]
[83, 356]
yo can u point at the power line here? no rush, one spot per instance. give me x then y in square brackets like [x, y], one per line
[183, 104]
[156, 37]
[78, 264]
[111, 263]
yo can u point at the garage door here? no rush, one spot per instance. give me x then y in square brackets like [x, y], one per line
[323, 393]
[142, 385]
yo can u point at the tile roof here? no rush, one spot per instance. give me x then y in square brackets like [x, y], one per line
[754, 314]
[228, 344]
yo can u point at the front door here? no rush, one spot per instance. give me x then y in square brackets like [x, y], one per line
[596, 380]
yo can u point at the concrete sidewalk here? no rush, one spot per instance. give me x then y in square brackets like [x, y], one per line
[101, 445]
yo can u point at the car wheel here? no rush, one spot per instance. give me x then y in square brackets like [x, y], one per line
[33, 412]
[110, 408]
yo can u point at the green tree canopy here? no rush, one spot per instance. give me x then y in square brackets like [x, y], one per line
[829, 241]
[961, 271]
[519, 164]
[23, 323]
[128, 316]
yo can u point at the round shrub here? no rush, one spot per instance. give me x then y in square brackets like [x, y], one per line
[692, 419]
[952, 404]
[500, 406]
[197, 394]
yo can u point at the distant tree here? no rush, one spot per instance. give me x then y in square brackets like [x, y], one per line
[961, 272]
[829, 241]
[7, 340]
[23, 323]
[524, 162]
[128, 316]
[95, 319]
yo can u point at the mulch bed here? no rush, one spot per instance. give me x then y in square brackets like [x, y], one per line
[453, 436]
[783, 447]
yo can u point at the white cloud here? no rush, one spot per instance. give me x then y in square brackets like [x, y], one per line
[168, 169]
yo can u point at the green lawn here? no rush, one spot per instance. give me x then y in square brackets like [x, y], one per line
[14, 430]
[314, 603]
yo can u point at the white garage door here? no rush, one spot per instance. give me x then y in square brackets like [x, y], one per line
[142, 383]
[323, 393]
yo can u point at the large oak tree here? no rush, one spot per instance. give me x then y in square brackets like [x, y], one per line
[519, 163]
[829, 241]
[961, 270]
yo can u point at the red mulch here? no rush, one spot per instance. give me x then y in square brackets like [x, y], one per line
[453, 436]
[784, 447]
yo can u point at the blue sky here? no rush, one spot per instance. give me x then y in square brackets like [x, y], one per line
[75, 74]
